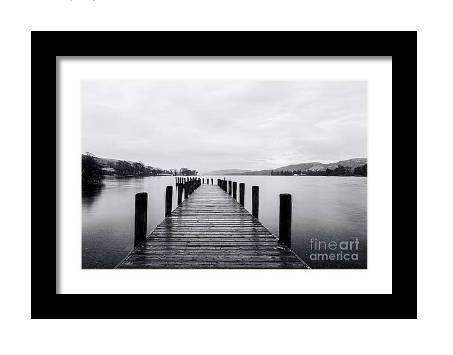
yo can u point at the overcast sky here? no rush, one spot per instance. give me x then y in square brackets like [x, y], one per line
[210, 125]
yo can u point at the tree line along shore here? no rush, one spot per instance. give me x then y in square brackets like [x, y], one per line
[95, 169]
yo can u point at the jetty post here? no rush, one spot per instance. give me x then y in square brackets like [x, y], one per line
[284, 229]
[168, 200]
[241, 193]
[141, 209]
[180, 191]
[229, 188]
[235, 186]
[186, 190]
[255, 200]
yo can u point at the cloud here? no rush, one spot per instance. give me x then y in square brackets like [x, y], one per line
[210, 125]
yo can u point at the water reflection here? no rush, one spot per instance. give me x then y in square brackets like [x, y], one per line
[89, 194]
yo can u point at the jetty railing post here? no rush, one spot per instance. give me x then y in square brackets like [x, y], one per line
[168, 200]
[241, 193]
[229, 188]
[180, 188]
[235, 187]
[255, 200]
[212, 181]
[284, 229]
[186, 190]
[141, 213]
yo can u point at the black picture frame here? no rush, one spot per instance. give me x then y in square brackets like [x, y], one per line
[48, 46]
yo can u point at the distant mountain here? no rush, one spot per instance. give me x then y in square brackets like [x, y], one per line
[303, 167]
[350, 163]
[228, 172]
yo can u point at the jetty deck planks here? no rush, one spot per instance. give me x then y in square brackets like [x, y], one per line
[211, 230]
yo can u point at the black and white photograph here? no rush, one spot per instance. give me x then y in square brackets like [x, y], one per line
[224, 174]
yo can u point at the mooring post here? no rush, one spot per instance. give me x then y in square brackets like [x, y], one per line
[284, 229]
[186, 190]
[241, 193]
[235, 187]
[255, 200]
[141, 210]
[179, 194]
[168, 200]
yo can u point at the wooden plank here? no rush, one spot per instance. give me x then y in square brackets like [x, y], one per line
[210, 229]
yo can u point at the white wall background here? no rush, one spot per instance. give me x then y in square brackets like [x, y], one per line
[430, 334]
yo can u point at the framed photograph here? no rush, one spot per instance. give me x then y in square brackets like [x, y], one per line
[223, 175]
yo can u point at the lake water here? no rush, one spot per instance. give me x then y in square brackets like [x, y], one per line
[329, 221]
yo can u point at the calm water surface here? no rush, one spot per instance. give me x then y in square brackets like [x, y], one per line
[325, 210]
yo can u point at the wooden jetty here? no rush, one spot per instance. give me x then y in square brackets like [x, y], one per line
[210, 230]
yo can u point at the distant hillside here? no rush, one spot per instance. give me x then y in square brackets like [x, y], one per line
[111, 163]
[302, 166]
[127, 168]
[311, 167]
[350, 163]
